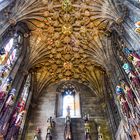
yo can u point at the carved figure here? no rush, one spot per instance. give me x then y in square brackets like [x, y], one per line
[51, 122]
[67, 132]
[87, 127]
[51, 125]
[100, 135]
[49, 133]
[37, 134]
[87, 130]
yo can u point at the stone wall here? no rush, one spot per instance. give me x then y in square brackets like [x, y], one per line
[46, 108]
[40, 114]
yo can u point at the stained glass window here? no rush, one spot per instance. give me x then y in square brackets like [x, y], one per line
[8, 57]
[9, 54]
[25, 94]
[68, 101]
[71, 104]
[19, 113]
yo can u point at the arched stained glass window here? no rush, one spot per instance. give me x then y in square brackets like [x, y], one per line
[10, 51]
[9, 54]
[19, 113]
[68, 101]
[68, 105]
[71, 102]
[25, 92]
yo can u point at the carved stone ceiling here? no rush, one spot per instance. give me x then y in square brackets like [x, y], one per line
[69, 39]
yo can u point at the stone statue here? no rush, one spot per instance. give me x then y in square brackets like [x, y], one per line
[67, 118]
[67, 132]
[100, 135]
[87, 131]
[49, 133]
[51, 125]
[51, 122]
[87, 127]
[6, 111]
[37, 134]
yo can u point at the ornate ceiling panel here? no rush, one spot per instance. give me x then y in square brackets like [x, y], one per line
[69, 39]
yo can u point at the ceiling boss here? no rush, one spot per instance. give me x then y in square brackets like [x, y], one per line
[66, 5]
[66, 29]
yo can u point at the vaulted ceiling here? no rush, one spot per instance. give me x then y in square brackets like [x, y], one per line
[69, 39]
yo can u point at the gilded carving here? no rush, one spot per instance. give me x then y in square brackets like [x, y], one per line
[66, 29]
[68, 38]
